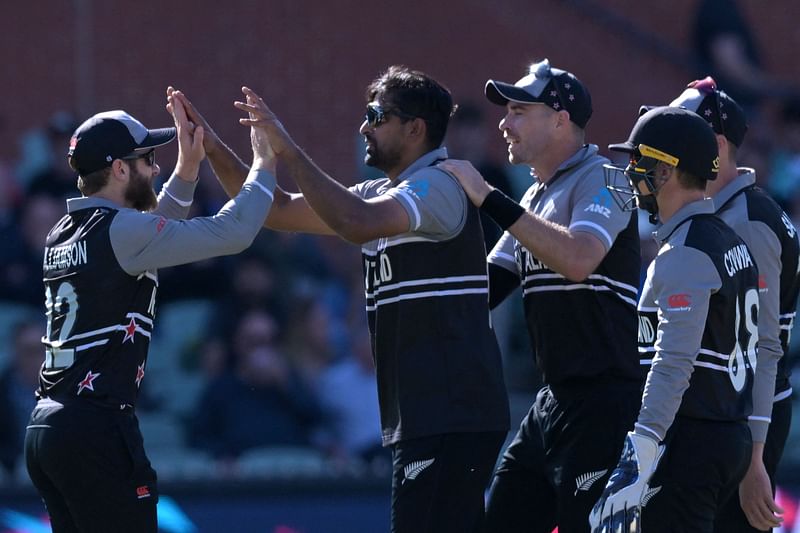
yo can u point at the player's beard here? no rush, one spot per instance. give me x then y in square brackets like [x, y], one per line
[139, 193]
[383, 158]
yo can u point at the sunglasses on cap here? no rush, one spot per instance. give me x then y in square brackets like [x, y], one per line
[149, 156]
[377, 114]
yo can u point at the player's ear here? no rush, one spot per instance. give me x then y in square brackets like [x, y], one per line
[119, 169]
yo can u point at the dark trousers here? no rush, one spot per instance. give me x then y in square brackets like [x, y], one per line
[560, 460]
[702, 465]
[439, 482]
[89, 466]
[731, 518]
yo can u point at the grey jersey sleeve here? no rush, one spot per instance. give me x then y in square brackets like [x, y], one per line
[175, 198]
[766, 249]
[435, 202]
[147, 241]
[502, 254]
[680, 332]
[595, 211]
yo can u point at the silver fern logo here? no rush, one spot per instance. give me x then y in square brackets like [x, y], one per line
[649, 494]
[414, 468]
[585, 481]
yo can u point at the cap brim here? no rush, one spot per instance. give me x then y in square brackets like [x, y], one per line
[626, 147]
[501, 93]
[157, 137]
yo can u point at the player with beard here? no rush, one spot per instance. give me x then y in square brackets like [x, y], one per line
[444, 409]
[83, 448]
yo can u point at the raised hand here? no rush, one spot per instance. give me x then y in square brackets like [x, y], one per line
[190, 141]
[211, 140]
[620, 506]
[265, 125]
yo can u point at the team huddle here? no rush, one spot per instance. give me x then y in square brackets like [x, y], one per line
[663, 409]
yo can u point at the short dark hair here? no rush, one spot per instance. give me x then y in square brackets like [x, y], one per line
[690, 181]
[415, 93]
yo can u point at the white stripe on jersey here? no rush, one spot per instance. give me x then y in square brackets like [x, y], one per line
[578, 286]
[647, 349]
[143, 318]
[417, 218]
[724, 357]
[648, 309]
[782, 395]
[396, 241]
[646, 362]
[760, 419]
[429, 281]
[711, 366]
[428, 294]
[91, 345]
[597, 227]
[502, 255]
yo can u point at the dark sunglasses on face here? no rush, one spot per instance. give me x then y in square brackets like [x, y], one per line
[149, 157]
[377, 115]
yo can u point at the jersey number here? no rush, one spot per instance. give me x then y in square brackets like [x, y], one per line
[64, 304]
[744, 356]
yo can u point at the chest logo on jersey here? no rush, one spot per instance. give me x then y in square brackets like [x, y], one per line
[679, 302]
[601, 203]
[379, 271]
[736, 259]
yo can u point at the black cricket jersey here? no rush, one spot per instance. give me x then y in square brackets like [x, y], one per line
[99, 316]
[772, 239]
[100, 276]
[437, 360]
[585, 329]
[699, 322]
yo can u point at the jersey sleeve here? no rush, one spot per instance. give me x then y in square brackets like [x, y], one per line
[594, 211]
[766, 249]
[683, 304]
[435, 202]
[147, 241]
[175, 198]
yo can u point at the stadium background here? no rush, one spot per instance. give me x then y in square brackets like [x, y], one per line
[311, 60]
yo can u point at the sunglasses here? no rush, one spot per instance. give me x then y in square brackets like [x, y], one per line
[150, 157]
[377, 115]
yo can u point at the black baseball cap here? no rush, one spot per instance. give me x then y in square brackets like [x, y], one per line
[720, 110]
[112, 135]
[543, 84]
[676, 136]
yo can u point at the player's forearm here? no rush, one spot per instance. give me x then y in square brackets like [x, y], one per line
[229, 169]
[336, 206]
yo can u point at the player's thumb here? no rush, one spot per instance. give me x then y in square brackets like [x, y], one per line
[197, 139]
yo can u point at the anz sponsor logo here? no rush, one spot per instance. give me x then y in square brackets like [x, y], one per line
[379, 270]
[736, 259]
[601, 203]
[647, 330]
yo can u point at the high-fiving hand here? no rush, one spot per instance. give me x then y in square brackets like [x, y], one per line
[270, 139]
[190, 140]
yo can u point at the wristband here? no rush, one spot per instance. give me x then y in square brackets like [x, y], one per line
[503, 210]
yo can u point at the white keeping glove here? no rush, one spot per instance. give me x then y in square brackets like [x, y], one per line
[619, 507]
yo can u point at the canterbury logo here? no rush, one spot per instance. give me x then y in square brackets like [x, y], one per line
[649, 494]
[413, 469]
[584, 481]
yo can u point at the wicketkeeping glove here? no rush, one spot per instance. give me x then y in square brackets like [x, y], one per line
[620, 506]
